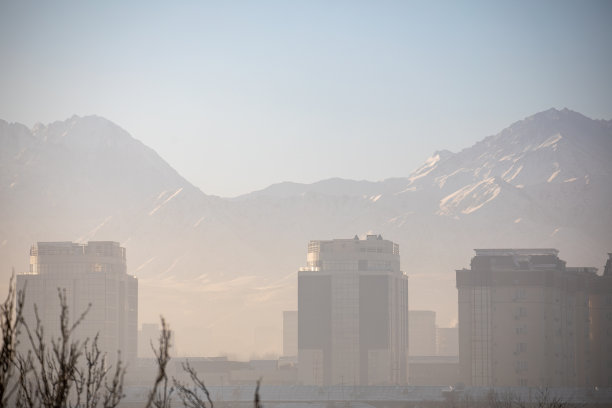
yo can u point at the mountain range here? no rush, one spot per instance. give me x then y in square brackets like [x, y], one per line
[222, 270]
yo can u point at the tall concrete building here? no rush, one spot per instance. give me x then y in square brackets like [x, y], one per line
[353, 313]
[600, 331]
[94, 273]
[447, 341]
[290, 333]
[422, 333]
[524, 320]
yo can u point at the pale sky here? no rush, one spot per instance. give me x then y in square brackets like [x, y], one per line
[239, 95]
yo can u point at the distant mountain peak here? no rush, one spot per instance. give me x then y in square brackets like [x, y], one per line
[443, 154]
[554, 115]
[549, 146]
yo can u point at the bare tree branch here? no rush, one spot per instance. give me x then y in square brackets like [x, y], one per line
[256, 402]
[55, 375]
[161, 398]
[10, 321]
[189, 396]
[114, 391]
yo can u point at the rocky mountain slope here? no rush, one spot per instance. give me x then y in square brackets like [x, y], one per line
[223, 269]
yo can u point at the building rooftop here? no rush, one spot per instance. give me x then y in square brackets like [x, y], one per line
[98, 248]
[372, 243]
[516, 251]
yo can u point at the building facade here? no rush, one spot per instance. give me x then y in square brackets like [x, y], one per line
[525, 319]
[353, 313]
[447, 341]
[90, 274]
[600, 330]
[290, 333]
[422, 333]
[433, 370]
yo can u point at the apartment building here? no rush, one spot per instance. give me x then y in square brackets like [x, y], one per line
[524, 320]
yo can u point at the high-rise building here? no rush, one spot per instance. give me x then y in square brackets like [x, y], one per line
[447, 341]
[600, 333]
[353, 313]
[524, 319]
[290, 333]
[94, 273]
[422, 333]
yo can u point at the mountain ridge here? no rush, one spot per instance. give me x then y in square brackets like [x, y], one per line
[443, 153]
[439, 156]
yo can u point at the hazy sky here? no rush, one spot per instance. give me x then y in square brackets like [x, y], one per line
[240, 95]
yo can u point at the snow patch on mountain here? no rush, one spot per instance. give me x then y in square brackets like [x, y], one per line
[93, 232]
[469, 198]
[400, 220]
[441, 180]
[166, 201]
[429, 165]
[198, 222]
[550, 142]
[508, 178]
[553, 176]
[407, 190]
[144, 264]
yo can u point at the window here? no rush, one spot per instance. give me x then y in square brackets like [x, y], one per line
[520, 312]
[520, 294]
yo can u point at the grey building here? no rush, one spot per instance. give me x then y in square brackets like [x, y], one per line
[600, 335]
[422, 332]
[353, 313]
[290, 330]
[94, 273]
[524, 320]
[447, 341]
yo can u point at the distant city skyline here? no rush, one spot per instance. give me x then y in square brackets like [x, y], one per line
[238, 96]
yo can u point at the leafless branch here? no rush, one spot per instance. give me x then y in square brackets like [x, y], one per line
[257, 402]
[160, 398]
[190, 396]
[54, 375]
[10, 321]
[114, 391]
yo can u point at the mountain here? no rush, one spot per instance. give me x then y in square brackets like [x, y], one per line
[223, 269]
[333, 186]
